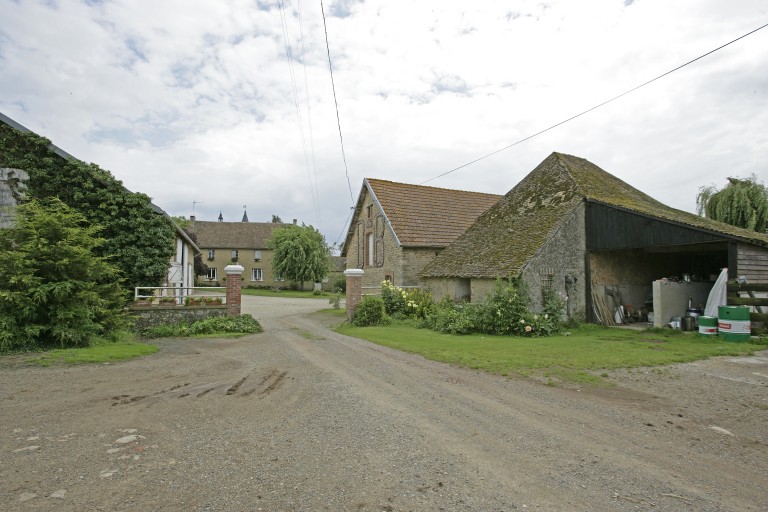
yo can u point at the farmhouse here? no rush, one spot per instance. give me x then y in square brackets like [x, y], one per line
[597, 240]
[245, 243]
[397, 228]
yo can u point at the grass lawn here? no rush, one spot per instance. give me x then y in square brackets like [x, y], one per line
[578, 357]
[99, 352]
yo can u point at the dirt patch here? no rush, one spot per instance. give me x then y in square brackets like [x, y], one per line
[283, 421]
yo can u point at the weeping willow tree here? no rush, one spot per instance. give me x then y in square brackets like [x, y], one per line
[742, 203]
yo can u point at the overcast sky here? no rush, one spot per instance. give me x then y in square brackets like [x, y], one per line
[198, 100]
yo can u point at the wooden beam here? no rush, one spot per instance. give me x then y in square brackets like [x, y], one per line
[746, 301]
[734, 287]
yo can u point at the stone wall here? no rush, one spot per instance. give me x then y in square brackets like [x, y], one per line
[152, 316]
[387, 253]
[560, 263]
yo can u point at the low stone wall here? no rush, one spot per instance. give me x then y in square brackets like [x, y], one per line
[151, 316]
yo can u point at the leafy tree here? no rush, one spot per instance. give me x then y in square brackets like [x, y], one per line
[299, 253]
[742, 203]
[54, 290]
[139, 238]
[276, 219]
[181, 221]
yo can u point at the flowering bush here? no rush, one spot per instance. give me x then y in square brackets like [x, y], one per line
[401, 303]
[505, 311]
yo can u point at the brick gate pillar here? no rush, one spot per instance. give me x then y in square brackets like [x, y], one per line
[234, 282]
[354, 290]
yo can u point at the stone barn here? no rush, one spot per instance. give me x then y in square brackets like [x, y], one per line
[600, 242]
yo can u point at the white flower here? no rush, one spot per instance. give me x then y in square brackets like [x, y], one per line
[528, 328]
[522, 321]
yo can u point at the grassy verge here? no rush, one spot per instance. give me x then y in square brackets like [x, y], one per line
[578, 357]
[101, 351]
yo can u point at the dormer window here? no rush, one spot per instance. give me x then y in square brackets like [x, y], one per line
[256, 255]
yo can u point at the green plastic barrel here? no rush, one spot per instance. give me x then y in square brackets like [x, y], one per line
[733, 323]
[707, 326]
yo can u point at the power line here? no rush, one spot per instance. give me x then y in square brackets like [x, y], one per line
[298, 108]
[309, 114]
[336, 103]
[593, 108]
[344, 230]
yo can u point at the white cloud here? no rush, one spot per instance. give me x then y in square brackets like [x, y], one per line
[194, 100]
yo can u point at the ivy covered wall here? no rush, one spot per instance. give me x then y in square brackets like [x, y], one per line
[140, 240]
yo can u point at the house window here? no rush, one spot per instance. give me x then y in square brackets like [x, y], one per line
[212, 274]
[256, 255]
[370, 211]
[234, 254]
[369, 247]
[256, 274]
[211, 254]
[279, 277]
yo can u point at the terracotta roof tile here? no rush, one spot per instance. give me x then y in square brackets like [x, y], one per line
[429, 216]
[235, 235]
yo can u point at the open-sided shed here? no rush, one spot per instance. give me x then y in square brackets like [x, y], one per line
[597, 240]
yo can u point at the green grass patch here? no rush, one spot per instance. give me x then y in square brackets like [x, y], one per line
[101, 351]
[576, 357]
[306, 334]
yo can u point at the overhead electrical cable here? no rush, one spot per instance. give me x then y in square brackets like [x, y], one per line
[309, 115]
[336, 103]
[344, 230]
[298, 108]
[595, 107]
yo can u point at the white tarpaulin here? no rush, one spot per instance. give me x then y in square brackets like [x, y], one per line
[718, 296]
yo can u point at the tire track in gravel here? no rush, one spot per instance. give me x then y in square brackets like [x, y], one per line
[590, 451]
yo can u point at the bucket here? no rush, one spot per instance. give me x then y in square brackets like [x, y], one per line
[707, 326]
[733, 323]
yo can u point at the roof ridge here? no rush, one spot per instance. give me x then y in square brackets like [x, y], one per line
[369, 180]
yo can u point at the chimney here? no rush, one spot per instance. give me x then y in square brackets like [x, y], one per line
[191, 218]
[295, 221]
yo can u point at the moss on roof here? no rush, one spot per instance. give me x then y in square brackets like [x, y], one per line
[509, 234]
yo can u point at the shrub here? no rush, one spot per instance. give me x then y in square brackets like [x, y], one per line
[54, 288]
[450, 318]
[370, 311]
[401, 303]
[335, 300]
[340, 284]
[213, 325]
[505, 311]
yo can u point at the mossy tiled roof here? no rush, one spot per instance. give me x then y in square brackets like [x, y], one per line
[429, 216]
[509, 234]
[233, 235]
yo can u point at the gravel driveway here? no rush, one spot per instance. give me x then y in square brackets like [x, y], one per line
[301, 418]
